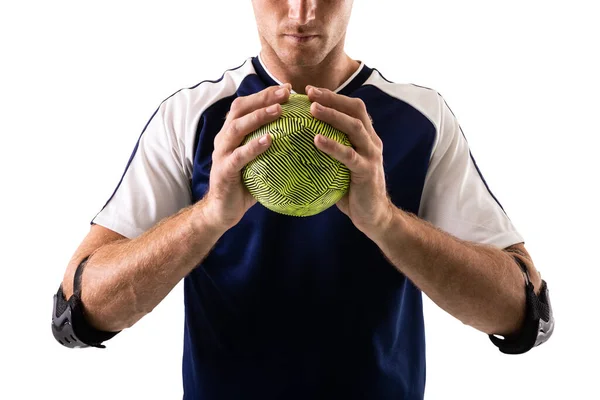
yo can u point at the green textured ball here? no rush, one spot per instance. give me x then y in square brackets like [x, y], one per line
[293, 177]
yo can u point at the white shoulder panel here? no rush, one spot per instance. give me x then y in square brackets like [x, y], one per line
[156, 182]
[455, 196]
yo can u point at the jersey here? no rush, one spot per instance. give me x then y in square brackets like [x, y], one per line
[306, 308]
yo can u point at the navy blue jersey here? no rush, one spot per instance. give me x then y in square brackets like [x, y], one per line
[303, 308]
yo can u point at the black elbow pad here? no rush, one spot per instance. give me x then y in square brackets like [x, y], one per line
[539, 320]
[69, 326]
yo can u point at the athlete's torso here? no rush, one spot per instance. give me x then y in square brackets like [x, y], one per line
[299, 308]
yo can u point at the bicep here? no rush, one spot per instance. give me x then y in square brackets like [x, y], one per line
[154, 185]
[156, 182]
[455, 196]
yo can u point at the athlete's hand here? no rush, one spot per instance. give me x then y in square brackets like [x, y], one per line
[366, 203]
[227, 199]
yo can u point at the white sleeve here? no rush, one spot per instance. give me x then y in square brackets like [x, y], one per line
[456, 197]
[155, 184]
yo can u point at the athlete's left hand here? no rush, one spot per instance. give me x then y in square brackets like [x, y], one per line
[367, 203]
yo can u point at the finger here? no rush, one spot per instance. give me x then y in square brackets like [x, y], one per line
[248, 152]
[237, 130]
[351, 126]
[352, 106]
[246, 104]
[344, 154]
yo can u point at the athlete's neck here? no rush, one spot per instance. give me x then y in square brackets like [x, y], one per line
[332, 72]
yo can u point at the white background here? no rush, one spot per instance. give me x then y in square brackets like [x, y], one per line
[79, 80]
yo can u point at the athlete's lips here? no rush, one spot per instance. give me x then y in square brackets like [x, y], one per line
[300, 38]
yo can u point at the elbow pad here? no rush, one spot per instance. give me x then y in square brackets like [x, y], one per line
[539, 320]
[69, 326]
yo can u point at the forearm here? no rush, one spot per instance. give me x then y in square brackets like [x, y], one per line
[479, 284]
[124, 280]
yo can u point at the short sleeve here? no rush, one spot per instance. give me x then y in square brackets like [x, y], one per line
[456, 197]
[154, 185]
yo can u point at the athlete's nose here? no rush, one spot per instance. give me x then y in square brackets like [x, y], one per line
[302, 11]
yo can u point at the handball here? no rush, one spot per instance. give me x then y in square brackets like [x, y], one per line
[293, 177]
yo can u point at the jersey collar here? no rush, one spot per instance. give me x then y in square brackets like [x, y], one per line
[355, 81]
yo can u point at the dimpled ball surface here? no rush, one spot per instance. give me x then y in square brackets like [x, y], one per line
[293, 177]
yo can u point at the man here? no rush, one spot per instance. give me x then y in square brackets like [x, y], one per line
[325, 306]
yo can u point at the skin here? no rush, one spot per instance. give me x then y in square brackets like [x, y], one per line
[320, 61]
[125, 279]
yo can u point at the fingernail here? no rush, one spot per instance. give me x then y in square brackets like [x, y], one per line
[279, 92]
[318, 107]
[272, 109]
[263, 140]
[316, 92]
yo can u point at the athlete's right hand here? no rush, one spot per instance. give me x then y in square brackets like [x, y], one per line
[227, 199]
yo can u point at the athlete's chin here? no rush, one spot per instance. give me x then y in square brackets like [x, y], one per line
[302, 58]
